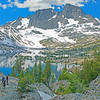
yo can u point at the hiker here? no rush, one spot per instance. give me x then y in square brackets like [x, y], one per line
[7, 79]
[4, 81]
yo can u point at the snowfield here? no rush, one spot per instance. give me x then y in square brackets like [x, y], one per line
[24, 23]
[72, 21]
[35, 39]
[31, 36]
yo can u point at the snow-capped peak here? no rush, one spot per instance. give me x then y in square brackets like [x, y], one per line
[24, 23]
[63, 27]
[97, 20]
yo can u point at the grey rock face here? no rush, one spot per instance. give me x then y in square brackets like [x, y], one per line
[75, 96]
[31, 96]
[94, 87]
[41, 17]
[92, 94]
[71, 11]
[57, 85]
[42, 87]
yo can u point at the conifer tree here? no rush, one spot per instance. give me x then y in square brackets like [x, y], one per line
[35, 72]
[47, 73]
[40, 72]
[13, 73]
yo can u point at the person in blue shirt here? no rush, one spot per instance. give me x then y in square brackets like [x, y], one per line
[4, 81]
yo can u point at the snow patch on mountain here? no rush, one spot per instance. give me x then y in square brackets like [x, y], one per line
[51, 33]
[60, 24]
[34, 39]
[75, 27]
[24, 23]
[52, 17]
[72, 21]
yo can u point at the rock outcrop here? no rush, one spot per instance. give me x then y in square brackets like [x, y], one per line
[92, 94]
[10, 91]
[94, 88]
[42, 87]
[41, 92]
[57, 84]
[76, 96]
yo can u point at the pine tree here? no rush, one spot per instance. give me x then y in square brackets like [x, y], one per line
[40, 72]
[21, 74]
[32, 75]
[52, 78]
[19, 62]
[35, 72]
[13, 73]
[47, 73]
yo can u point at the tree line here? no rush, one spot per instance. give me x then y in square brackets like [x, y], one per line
[33, 74]
[80, 79]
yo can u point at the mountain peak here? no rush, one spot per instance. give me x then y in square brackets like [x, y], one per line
[50, 28]
[71, 11]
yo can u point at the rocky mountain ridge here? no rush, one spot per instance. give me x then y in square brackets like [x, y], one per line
[50, 29]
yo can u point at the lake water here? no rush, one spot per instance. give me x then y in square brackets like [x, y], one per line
[7, 62]
[6, 70]
[54, 68]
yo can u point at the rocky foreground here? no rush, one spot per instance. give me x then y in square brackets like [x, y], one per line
[10, 92]
[37, 91]
[93, 93]
[41, 92]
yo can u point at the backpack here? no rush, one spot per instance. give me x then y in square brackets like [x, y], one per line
[3, 79]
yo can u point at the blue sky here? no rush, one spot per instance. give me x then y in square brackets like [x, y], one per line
[11, 10]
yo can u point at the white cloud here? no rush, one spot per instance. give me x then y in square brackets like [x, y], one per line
[4, 6]
[9, 4]
[43, 4]
[34, 5]
[9, 0]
